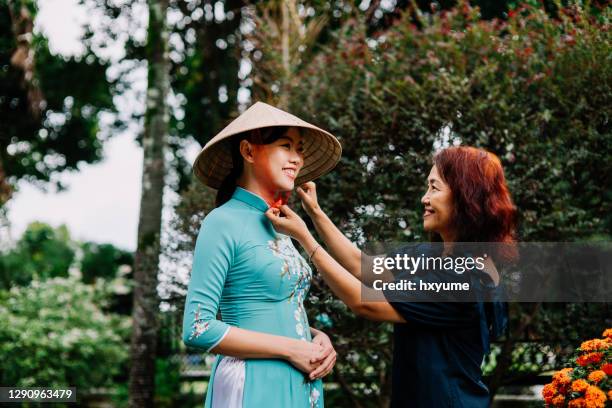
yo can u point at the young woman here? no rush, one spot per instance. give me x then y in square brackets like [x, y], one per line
[257, 280]
[438, 346]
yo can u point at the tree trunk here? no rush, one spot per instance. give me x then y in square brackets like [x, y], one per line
[146, 301]
[5, 188]
[24, 55]
[285, 27]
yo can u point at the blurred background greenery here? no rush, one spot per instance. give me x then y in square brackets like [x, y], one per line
[394, 80]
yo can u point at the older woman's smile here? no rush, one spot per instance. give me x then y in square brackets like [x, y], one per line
[428, 212]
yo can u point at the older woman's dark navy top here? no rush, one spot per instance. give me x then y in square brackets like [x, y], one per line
[438, 352]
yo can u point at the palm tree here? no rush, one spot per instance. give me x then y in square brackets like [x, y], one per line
[286, 37]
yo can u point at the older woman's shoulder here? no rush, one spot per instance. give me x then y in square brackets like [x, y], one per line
[417, 249]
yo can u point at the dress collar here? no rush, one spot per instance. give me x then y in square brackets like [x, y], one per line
[250, 198]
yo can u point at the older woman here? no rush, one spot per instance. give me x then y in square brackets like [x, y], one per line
[438, 346]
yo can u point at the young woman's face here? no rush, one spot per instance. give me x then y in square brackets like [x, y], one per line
[278, 164]
[438, 202]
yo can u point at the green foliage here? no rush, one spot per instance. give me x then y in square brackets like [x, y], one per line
[102, 261]
[204, 76]
[526, 89]
[195, 202]
[42, 252]
[53, 331]
[167, 388]
[167, 385]
[68, 94]
[45, 252]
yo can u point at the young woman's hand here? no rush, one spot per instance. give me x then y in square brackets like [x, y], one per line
[306, 356]
[308, 194]
[287, 222]
[328, 359]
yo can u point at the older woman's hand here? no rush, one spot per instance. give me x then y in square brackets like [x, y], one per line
[308, 194]
[287, 222]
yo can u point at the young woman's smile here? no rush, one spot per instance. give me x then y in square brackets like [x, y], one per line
[290, 172]
[280, 162]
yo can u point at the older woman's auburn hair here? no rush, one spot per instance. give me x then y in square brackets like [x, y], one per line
[483, 210]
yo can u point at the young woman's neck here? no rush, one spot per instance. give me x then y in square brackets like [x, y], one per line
[253, 186]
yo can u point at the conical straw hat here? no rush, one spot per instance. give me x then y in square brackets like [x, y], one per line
[321, 149]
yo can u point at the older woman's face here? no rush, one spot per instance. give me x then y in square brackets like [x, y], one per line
[438, 202]
[278, 164]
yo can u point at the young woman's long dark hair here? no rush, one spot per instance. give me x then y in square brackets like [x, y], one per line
[260, 136]
[483, 210]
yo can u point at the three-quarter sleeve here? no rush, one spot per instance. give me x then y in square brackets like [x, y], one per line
[212, 259]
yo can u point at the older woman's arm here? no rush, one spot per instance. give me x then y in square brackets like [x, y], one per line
[339, 246]
[348, 288]
[344, 285]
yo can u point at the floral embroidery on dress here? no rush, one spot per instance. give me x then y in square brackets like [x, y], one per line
[294, 266]
[313, 398]
[199, 325]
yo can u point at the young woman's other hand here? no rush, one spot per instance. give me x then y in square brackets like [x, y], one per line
[306, 356]
[329, 356]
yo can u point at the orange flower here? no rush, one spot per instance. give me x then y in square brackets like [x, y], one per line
[596, 357]
[589, 358]
[610, 395]
[548, 392]
[595, 398]
[580, 385]
[594, 345]
[558, 401]
[562, 377]
[607, 368]
[607, 333]
[577, 403]
[596, 376]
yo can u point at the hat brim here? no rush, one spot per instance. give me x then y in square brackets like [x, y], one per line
[322, 152]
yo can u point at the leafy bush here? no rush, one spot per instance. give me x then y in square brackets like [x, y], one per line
[534, 89]
[168, 392]
[102, 261]
[55, 333]
[42, 252]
